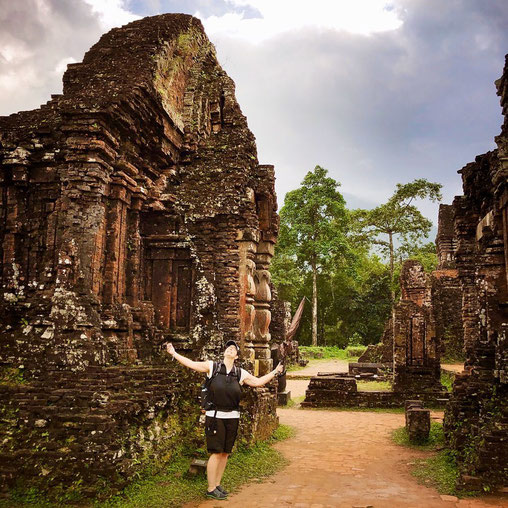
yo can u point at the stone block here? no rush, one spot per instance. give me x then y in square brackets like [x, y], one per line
[198, 466]
[283, 398]
[418, 424]
[409, 404]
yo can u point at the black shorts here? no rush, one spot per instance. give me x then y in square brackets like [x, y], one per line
[220, 434]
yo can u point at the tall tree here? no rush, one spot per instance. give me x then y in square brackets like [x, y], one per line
[313, 227]
[398, 217]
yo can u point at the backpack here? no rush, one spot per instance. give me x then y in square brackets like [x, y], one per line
[204, 395]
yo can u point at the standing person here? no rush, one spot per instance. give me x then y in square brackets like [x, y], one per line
[221, 423]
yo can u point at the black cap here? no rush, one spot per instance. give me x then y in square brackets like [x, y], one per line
[232, 343]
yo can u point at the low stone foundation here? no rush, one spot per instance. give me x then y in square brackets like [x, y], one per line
[337, 391]
[93, 428]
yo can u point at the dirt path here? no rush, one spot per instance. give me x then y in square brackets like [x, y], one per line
[453, 367]
[344, 459]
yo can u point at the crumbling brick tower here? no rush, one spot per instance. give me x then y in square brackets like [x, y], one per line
[446, 290]
[133, 212]
[476, 420]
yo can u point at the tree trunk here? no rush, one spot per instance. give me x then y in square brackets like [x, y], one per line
[392, 292]
[314, 304]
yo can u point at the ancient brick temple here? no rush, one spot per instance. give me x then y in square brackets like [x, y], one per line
[134, 212]
[476, 421]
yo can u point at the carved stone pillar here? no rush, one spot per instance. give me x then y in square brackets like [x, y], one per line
[247, 241]
[114, 276]
[133, 266]
[262, 305]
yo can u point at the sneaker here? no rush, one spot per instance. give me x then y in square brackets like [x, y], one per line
[222, 489]
[216, 494]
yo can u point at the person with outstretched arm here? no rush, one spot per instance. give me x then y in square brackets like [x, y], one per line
[221, 422]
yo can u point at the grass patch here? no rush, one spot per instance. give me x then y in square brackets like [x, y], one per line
[440, 472]
[400, 436]
[175, 487]
[374, 386]
[295, 401]
[452, 360]
[328, 352]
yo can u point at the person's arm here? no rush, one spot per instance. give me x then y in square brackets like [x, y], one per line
[254, 381]
[187, 362]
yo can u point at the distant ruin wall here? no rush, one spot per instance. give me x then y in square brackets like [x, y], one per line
[133, 212]
[446, 294]
[476, 420]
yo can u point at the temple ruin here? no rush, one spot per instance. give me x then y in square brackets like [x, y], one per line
[410, 352]
[476, 420]
[134, 212]
[440, 294]
[446, 295]
[416, 350]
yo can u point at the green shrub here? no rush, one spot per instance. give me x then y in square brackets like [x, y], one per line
[447, 379]
[353, 351]
[323, 352]
[355, 340]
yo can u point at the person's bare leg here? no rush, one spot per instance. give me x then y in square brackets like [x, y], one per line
[214, 462]
[221, 466]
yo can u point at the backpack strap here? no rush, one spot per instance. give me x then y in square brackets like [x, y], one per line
[216, 369]
[237, 372]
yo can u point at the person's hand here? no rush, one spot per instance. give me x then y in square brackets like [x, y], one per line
[170, 349]
[279, 369]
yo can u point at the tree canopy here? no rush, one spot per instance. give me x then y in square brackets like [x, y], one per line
[398, 218]
[313, 229]
[334, 257]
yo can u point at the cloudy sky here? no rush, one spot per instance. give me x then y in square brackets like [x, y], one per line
[377, 92]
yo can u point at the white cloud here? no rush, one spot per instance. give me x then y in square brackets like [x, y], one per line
[363, 17]
[15, 51]
[112, 13]
[61, 66]
[38, 38]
